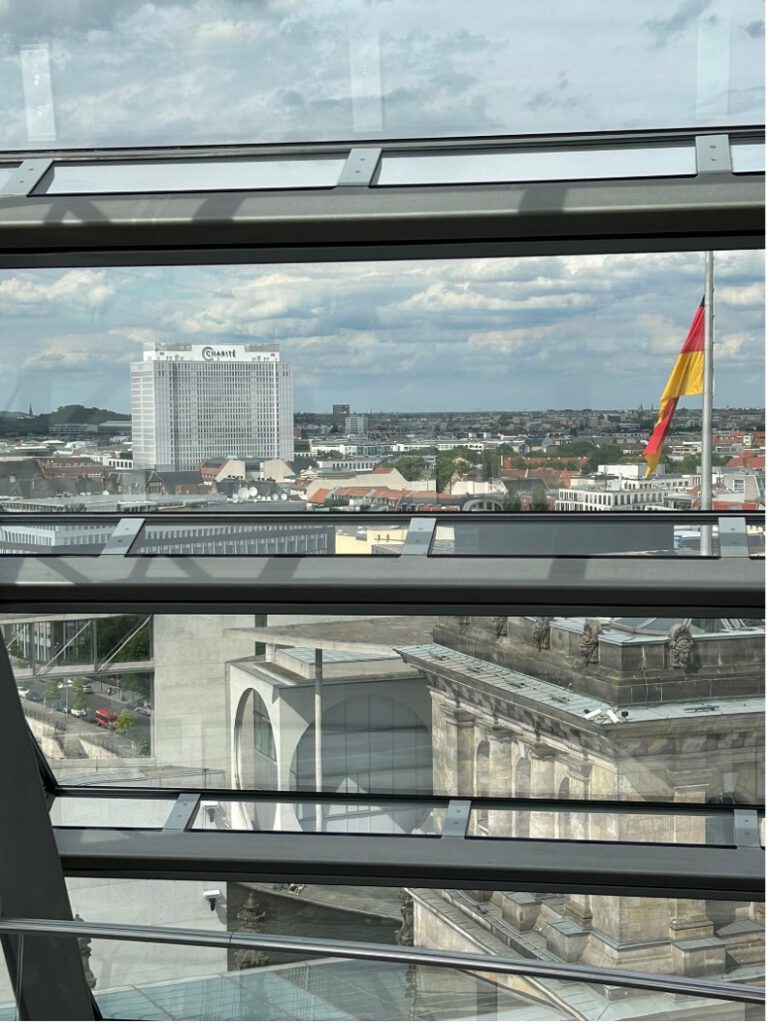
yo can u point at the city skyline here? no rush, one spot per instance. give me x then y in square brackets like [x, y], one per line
[596, 332]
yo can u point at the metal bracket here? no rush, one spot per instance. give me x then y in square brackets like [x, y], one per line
[419, 537]
[713, 154]
[457, 819]
[182, 813]
[746, 831]
[360, 167]
[733, 538]
[26, 177]
[123, 536]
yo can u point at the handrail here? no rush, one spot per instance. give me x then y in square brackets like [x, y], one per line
[389, 954]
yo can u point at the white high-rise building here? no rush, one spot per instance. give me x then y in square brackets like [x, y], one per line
[195, 402]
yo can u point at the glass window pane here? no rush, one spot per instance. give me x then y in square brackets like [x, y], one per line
[6, 174]
[133, 74]
[479, 384]
[540, 165]
[98, 812]
[153, 981]
[748, 157]
[193, 176]
[228, 701]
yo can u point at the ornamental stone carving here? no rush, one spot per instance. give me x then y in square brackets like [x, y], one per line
[680, 644]
[588, 642]
[251, 918]
[404, 934]
[541, 628]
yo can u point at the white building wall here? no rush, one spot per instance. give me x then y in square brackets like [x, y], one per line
[195, 402]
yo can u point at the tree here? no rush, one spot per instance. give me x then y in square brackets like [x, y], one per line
[79, 701]
[124, 722]
[538, 499]
[512, 502]
[50, 691]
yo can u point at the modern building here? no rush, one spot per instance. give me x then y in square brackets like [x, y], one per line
[196, 402]
[355, 424]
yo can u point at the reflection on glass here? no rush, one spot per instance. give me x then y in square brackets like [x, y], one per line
[216, 389]
[538, 165]
[314, 537]
[137, 75]
[104, 813]
[217, 701]
[199, 176]
[342, 816]
[748, 157]
[6, 173]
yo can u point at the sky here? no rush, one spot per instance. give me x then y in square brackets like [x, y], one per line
[524, 333]
[134, 72]
[596, 332]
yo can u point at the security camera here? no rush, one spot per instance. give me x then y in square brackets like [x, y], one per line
[212, 895]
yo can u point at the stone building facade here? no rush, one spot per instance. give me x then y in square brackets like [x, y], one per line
[579, 709]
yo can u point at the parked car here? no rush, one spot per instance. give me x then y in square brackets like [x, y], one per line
[79, 712]
[87, 688]
[34, 696]
[145, 709]
[23, 691]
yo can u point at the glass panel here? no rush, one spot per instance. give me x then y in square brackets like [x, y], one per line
[193, 176]
[664, 708]
[351, 815]
[537, 165]
[544, 374]
[280, 538]
[6, 173]
[748, 157]
[132, 74]
[152, 981]
[95, 812]
[570, 823]
[527, 539]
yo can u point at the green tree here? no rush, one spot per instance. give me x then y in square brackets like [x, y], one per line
[79, 701]
[538, 499]
[50, 691]
[512, 502]
[124, 722]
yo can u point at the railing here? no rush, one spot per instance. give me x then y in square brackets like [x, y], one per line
[389, 954]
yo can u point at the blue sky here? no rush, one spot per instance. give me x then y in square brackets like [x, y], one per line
[540, 332]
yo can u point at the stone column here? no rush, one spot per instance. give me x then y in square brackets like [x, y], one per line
[688, 919]
[500, 774]
[452, 731]
[542, 760]
[579, 904]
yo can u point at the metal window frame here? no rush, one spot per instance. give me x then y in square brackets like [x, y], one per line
[714, 208]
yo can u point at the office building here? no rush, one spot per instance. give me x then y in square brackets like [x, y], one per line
[195, 402]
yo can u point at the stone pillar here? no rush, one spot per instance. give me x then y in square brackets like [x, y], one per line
[688, 919]
[579, 904]
[452, 745]
[542, 760]
[500, 773]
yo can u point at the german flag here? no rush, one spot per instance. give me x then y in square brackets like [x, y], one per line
[687, 378]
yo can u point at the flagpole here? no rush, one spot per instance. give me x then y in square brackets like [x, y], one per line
[706, 408]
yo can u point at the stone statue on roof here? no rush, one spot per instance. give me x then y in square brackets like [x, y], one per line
[680, 644]
[588, 641]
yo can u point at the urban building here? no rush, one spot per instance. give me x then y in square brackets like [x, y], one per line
[356, 424]
[196, 402]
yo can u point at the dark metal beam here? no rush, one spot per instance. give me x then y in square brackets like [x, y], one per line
[651, 214]
[436, 585]
[611, 868]
[46, 972]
